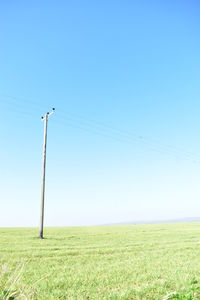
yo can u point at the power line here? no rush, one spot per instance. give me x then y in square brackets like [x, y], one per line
[23, 101]
[106, 130]
[125, 133]
[126, 140]
[128, 136]
[17, 109]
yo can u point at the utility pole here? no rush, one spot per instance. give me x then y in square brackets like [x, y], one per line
[45, 119]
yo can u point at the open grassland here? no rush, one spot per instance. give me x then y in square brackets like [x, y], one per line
[116, 262]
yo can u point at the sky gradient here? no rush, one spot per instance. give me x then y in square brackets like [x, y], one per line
[124, 142]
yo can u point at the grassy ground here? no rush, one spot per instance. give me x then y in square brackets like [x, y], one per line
[116, 262]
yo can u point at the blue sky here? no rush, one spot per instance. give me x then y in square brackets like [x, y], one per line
[124, 142]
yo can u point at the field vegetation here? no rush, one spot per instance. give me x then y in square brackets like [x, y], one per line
[112, 262]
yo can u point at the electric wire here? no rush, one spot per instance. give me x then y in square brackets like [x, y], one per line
[126, 140]
[125, 133]
[95, 127]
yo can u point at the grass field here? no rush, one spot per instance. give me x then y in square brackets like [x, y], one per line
[116, 262]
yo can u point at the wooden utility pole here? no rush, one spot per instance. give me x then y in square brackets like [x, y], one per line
[45, 118]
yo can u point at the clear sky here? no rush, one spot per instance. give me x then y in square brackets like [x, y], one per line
[124, 143]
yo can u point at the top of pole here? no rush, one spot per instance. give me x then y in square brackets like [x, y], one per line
[48, 114]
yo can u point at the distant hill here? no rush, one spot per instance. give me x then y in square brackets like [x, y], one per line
[181, 220]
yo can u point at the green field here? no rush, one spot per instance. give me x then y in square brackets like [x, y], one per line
[116, 262]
